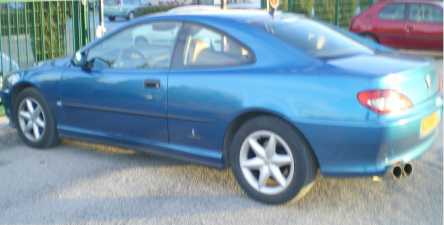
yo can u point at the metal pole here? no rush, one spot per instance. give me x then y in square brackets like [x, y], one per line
[223, 4]
[336, 12]
[101, 28]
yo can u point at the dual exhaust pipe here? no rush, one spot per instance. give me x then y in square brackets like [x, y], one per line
[402, 170]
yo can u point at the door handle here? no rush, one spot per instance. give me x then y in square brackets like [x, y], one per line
[151, 84]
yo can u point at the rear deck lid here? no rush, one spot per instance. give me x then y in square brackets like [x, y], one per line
[415, 78]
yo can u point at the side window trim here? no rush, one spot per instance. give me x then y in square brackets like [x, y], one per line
[178, 55]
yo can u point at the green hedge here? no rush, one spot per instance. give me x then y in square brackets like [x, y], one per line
[2, 111]
[153, 9]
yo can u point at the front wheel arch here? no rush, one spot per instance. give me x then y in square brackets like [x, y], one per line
[16, 91]
[242, 118]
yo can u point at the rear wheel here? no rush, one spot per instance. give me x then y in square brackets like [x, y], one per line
[35, 122]
[370, 37]
[111, 18]
[271, 161]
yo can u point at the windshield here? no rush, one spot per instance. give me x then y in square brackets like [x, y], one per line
[313, 37]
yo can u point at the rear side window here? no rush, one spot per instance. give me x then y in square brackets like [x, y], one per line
[425, 13]
[393, 12]
[205, 47]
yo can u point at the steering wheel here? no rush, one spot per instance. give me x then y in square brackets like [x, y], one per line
[131, 58]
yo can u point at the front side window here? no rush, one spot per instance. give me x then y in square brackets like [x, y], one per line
[425, 13]
[205, 47]
[393, 12]
[148, 46]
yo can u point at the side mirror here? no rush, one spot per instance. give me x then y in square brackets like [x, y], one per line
[80, 60]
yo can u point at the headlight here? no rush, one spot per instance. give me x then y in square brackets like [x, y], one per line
[12, 79]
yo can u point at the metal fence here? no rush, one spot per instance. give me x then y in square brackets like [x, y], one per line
[36, 30]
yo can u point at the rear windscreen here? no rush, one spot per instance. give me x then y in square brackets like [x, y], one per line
[313, 37]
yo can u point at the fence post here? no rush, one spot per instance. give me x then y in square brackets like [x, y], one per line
[336, 12]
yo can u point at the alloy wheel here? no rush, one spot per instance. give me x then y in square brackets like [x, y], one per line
[32, 120]
[266, 162]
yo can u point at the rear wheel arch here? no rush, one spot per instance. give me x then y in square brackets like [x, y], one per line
[239, 120]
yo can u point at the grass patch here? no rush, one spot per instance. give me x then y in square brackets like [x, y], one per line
[2, 111]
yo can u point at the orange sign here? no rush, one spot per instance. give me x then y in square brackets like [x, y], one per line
[274, 3]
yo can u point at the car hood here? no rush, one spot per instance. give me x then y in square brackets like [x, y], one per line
[377, 64]
[58, 62]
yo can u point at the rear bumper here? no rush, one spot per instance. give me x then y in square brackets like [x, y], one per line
[371, 148]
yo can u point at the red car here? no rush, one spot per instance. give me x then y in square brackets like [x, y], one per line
[413, 24]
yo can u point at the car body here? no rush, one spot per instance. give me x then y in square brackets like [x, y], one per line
[411, 24]
[192, 94]
[122, 8]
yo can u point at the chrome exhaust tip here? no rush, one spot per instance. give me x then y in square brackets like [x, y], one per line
[408, 169]
[397, 172]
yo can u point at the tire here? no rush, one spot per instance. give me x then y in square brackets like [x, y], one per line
[370, 37]
[130, 16]
[44, 121]
[111, 18]
[299, 174]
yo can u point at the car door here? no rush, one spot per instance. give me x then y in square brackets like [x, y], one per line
[425, 26]
[390, 23]
[123, 93]
[206, 64]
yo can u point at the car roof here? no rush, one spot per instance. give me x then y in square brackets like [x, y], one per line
[248, 16]
[214, 11]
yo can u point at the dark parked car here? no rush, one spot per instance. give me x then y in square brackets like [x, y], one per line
[411, 24]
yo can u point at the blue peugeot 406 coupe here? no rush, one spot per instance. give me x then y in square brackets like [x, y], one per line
[275, 98]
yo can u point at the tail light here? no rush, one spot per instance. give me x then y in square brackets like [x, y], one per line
[384, 101]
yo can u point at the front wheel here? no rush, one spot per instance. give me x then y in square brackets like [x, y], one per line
[35, 122]
[271, 161]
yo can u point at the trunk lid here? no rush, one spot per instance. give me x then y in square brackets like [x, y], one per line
[415, 78]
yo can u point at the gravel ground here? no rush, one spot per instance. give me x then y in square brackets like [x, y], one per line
[77, 185]
[72, 185]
